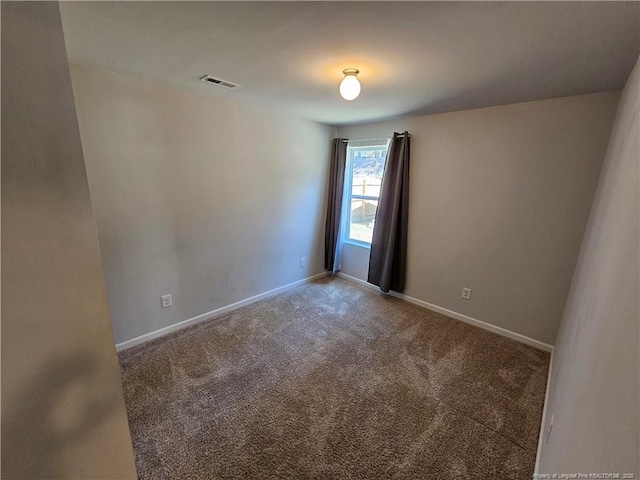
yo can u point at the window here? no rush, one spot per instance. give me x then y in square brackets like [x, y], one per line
[365, 165]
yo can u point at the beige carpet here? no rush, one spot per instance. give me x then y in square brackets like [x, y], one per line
[333, 380]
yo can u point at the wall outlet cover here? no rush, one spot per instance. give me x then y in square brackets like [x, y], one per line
[549, 430]
[166, 301]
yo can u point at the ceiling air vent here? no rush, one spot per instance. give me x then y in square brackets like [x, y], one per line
[218, 81]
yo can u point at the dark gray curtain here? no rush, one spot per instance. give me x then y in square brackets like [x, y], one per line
[388, 258]
[334, 204]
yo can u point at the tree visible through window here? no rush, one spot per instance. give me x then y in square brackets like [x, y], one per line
[365, 167]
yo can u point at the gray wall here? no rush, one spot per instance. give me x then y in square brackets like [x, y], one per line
[63, 415]
[208, 200]
[594, 385]
[499, 201]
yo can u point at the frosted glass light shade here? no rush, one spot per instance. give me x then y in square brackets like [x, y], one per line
[350, 85]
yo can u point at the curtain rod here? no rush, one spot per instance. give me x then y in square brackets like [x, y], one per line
[346, 140]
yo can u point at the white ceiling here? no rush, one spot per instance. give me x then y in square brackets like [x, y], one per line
[414, 57]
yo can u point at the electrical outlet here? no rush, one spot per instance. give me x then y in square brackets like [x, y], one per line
[303, 262]
[466, 293]
[549, 428]
[166, 301]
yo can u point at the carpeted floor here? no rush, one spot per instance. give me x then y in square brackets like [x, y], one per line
[333, 380]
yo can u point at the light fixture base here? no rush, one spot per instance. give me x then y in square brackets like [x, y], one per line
[351, 71]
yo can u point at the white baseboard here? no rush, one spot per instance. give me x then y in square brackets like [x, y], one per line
[544, 415]
[458, 316]
[213, 313]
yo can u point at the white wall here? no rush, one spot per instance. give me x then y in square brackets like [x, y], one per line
[499, 199]
[594, 386]
[63, 415]
[210, 201]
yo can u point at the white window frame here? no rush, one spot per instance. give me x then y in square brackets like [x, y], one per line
[348, 180]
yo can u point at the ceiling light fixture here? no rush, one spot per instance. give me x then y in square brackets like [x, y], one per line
[350, 85]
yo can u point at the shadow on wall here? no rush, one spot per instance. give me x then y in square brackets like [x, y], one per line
[65, 400]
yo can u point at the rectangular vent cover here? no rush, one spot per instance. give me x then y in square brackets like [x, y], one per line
[218, 81]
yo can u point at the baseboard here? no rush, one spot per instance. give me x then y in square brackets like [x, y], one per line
[213, 313]
[459, 316]
[544, 415]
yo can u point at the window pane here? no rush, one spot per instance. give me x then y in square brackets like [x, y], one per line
[361, 219]
[368, 166]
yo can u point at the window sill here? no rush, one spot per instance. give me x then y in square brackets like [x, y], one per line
[358, 244]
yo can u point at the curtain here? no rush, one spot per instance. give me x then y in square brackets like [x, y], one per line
[332, 232]
[388, 257]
